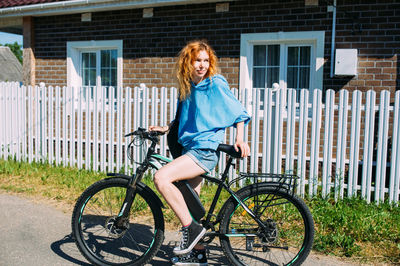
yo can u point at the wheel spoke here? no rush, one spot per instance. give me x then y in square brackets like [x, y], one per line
[280, 241]
[99, 238]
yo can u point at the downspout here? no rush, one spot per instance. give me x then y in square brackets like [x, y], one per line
[333, 37]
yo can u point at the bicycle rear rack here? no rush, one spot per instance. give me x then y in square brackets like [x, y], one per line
[286, 182]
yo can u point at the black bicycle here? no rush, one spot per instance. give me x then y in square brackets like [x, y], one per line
[119, 220]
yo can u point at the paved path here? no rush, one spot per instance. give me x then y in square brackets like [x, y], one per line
[39, 234]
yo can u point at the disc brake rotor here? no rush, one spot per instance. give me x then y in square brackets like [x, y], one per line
[113, 230]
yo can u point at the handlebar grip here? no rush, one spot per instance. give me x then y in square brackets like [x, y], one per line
[230, 149]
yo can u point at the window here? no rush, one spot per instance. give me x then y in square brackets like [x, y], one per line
[267, 68]
[290, 59]
[298, 67]
[94, 64]
[99, 68]
[266, 65]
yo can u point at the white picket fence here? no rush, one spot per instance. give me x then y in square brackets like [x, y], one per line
[347, 145]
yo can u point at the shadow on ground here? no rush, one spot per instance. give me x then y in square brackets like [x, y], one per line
[66, 249]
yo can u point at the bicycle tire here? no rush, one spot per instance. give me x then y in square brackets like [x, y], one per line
[101, 243]
[289, 235]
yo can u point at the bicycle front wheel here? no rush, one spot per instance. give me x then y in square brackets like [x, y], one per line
[101, 240]
[288, 234]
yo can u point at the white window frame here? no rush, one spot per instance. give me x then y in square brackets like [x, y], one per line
[74, 50]
[314, 38]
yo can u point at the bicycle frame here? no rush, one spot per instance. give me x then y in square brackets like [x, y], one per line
[155, 161]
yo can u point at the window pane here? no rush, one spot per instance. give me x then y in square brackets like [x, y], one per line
[305, 56]
[272, 76]
[259, 55]
[85, 77]
[85, 61]
[92, 60]
[304, 77]
[259, 78]
[88, 69]
[114, 76]
[273, 55]
[105, 77]
[113, 58]
[92, 77]
[292, 78]
[293, 56]
[104, 58]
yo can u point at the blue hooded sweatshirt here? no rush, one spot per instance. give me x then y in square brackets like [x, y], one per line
[210, 108]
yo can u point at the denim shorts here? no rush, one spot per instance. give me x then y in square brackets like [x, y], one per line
[207, 159]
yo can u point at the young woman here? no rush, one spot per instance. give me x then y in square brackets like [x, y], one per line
[207, 107]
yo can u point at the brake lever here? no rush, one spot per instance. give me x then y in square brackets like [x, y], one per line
[129, 134]
[139, 131]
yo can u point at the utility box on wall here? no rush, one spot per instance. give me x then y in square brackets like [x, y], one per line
[346, 62]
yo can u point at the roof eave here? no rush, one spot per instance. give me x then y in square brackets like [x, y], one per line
[83, 6]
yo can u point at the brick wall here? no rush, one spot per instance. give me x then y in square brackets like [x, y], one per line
[151, 44]
[371, 27]
[53, 72]
[153, 71]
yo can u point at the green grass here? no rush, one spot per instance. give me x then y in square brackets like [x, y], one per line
[347, 228]
[354, 228]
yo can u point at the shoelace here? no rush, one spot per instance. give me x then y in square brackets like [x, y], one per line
[185, 237]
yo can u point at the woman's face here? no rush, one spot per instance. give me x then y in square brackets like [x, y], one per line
[200, 66]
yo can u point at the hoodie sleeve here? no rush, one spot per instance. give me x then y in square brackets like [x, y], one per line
[228, 110]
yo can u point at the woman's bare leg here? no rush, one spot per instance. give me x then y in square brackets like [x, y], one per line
[182, 168]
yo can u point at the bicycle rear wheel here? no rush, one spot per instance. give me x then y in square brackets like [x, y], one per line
[289, 233]
[101, 241]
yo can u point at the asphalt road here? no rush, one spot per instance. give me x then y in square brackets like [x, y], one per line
[39, 234]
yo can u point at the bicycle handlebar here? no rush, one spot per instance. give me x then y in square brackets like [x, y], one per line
[153, 136]
[143, 133]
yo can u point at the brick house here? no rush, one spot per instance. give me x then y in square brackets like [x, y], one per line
[124, 43]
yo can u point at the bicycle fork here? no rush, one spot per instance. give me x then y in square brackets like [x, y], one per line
[121, 220]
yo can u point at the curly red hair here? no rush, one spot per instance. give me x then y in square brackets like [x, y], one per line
[186, 57]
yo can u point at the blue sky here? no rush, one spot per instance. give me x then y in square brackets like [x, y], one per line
[10, 38]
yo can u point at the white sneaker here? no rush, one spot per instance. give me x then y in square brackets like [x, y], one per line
[196, 257]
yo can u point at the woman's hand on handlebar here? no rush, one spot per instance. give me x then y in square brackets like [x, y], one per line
[163, 129]
[243, 147]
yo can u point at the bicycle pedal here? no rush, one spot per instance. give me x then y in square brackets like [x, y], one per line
[207, 252]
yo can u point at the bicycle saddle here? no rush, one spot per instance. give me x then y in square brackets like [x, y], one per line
[229, 149]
